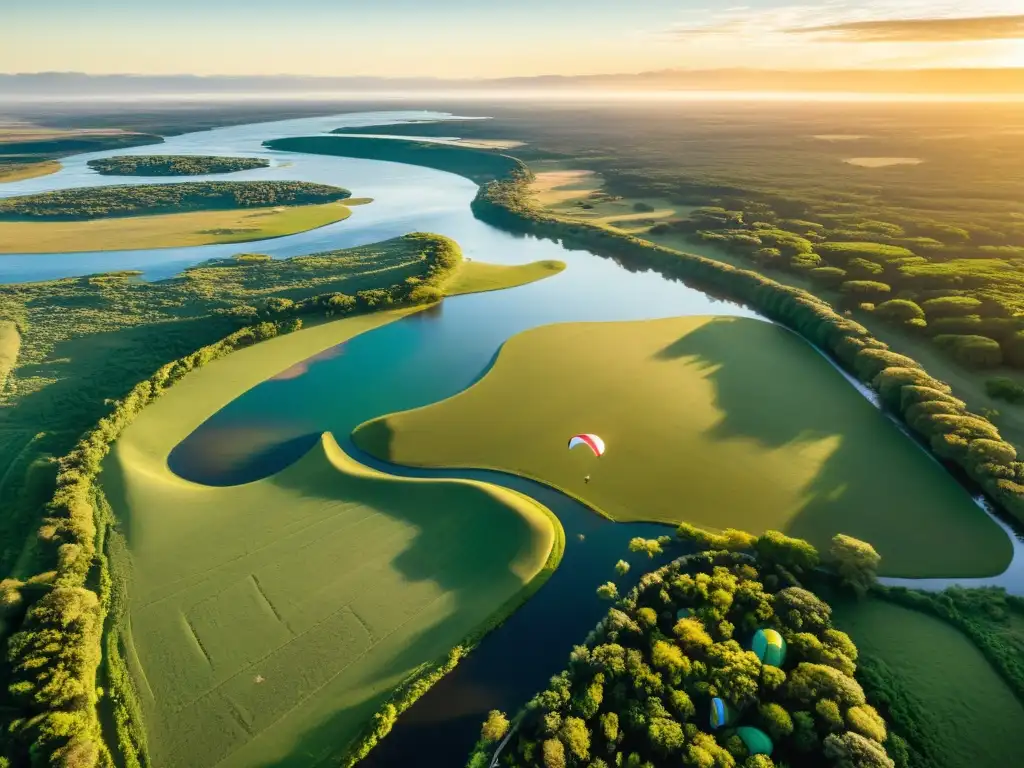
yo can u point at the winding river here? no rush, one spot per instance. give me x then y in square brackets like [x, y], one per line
[421, 359]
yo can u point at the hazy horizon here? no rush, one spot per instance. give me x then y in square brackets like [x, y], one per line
[528, 38]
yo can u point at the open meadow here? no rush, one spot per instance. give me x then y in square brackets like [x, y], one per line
[719, 422]
[966, 716]
[167, 230]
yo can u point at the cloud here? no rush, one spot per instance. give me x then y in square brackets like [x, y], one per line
[941, 30]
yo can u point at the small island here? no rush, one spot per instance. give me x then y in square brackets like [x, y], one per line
[85, 203]
[174, 165]
[167, 215]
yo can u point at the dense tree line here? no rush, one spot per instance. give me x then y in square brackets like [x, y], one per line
[639, 692]
[968, 305]
[173, 165]
[479, 165]
[55, 619]
[84, 203]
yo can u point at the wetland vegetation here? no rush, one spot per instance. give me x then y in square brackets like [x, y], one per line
[173, 165]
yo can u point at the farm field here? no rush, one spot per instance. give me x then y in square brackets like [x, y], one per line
[704, 424]
[969, 715]
[286, 610]
[167, 230]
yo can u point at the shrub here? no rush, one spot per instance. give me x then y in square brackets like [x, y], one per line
[1006, 389]
[864, 288]
[950, 306]
[899, 310]
[972, 351]
[828, 276]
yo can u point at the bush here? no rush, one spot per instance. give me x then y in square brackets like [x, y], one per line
[899, 311]
[1006, 389]
[827, 276]
[950, 306]
[864, 288]
[972, 351]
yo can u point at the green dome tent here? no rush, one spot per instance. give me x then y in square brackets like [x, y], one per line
[683, 613]
[755, 740]
[769, 647]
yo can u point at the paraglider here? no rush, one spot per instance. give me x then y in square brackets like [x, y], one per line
[755, 740]
[593, 442]
[769, 647]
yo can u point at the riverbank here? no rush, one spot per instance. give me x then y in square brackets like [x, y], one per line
[690, 440]
[529, 553]
[21, 171]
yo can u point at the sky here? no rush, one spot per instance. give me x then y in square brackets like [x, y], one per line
[503, 38]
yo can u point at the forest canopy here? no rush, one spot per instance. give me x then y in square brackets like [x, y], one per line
[83, 203]
[173, 165]
[675, 675]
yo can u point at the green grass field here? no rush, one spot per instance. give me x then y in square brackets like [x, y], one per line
[972, 716]
[478, 277]
[167, 230]
[20, 171]
[720, 422]
[268, 621]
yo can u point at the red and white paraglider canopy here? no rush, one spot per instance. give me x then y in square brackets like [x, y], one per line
[593, 442]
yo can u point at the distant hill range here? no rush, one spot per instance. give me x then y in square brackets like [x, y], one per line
[927, 81]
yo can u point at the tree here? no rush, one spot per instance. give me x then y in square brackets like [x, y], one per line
[810, 683]
[865, 289]
[851, 750]
[828, 276]
[970, 350]
[866, 721]
[495, 727]
[665, 736]
[609, 722]
[622, 567]
[608, 591]
[899, 311]
[575, 735]
[799, 609]
[639, 544]
[775, 719]
[795, 554]
[767, 256]
[554, 754]
[856, 561]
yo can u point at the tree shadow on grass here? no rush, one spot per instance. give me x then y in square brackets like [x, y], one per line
[874, 483]
[86, 371]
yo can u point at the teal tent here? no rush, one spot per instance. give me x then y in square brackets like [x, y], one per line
[769, 647]
[755, 740]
